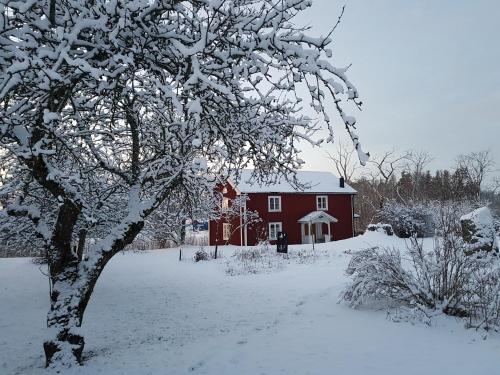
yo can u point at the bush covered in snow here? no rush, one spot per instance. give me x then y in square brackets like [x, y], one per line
[408, 219]
[254, 260]
[200, 255]
[443, 278]
[478, 231]
[380, 227]
[264, 258]
[496, 224]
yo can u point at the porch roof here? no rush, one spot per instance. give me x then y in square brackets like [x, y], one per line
[317, 216]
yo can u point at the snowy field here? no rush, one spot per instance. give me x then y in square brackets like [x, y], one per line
[151, 314]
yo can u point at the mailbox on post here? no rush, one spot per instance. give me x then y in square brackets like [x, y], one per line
[282, 242]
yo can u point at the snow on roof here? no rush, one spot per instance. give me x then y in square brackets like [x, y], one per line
[317, 182]
[317, 216]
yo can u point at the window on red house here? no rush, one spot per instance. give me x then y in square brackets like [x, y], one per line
[322, 202]
[274, 228]
[274, 203]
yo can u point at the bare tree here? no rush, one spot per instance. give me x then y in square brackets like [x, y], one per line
[168, 223]
[476, 165]
[383, 178]
[496, 185]
[388, 164]
[233, 213]
[345, 161]
[415, 164]
[417, 161]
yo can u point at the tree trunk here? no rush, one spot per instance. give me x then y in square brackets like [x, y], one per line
[67, 304]
[183, 231]
[73, 282]
[71, 291]
[82, 237]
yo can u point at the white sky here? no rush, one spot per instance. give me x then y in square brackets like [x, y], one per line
[428, 73]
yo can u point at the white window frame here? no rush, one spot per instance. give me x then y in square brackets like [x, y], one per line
[319, 198]
[273, 197]
[225, 204]
[226, 231]
[278, 227]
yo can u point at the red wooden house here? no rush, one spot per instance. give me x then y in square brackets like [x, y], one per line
[322, 212]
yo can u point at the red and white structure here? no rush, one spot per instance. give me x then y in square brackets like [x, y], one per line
[322, 212]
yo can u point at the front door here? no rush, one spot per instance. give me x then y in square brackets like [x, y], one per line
[317, 231]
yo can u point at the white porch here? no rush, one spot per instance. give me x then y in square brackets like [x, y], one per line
[311, 227]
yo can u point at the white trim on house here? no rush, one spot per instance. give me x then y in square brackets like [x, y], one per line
[275, 198]
[278, 227]
[226, 231]
[322, 202]
[316, 217]
[241, 226]
[234, 186]
[225, 204]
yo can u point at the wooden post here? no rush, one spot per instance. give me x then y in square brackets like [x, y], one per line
[52, 12]
[313, 235]
[180, 254]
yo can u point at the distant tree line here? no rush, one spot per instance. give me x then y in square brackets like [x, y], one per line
[404, 177]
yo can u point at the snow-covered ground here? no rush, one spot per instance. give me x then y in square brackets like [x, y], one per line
[151, 314]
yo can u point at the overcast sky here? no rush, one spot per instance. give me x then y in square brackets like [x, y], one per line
[428, 73]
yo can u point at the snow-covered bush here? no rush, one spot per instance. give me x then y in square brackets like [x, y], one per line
[380, 227]
[483, 298]
[443, 278]
[478, 231]
[200, 255]
[496, 224]
[408, 219]
[264, 258]
[303, 256]
[254, 260]
[216, 254]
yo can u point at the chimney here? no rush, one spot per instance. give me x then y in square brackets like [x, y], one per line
[342, 182]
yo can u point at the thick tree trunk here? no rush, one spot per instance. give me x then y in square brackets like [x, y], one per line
[68, 302]
[72, 287]
[64, 350]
